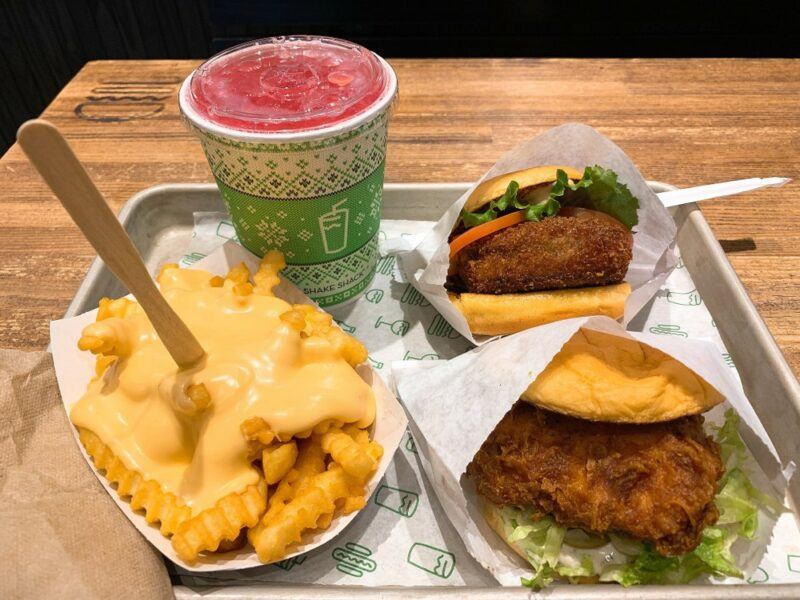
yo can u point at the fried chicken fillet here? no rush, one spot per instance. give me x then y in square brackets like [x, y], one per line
[586, 249]
[653, 482]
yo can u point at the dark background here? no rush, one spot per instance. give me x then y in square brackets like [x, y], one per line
[43, 43]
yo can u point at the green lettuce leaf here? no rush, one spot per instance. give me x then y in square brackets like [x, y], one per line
[714, 551]
[738, 497]
[496, 207]
[732, 448]
[598, 189]
[737, 504]
[648, 567]
[584, 569]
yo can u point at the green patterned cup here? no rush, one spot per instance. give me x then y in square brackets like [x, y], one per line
[294, 130]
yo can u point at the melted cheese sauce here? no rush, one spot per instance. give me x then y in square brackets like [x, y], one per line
[256, 366]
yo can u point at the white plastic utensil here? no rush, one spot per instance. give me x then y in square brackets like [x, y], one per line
[717, 190]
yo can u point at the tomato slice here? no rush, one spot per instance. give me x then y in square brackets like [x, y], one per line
[473, 234]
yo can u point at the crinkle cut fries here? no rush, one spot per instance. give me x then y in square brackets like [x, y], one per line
[307, 480]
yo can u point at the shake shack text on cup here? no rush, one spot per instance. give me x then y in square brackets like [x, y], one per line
[294, 129]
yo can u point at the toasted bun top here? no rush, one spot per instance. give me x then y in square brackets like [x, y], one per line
[492, 189]
[602, 377]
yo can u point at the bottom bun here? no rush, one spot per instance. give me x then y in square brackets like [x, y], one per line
[492, 516]
[491, 513]
[501, 314]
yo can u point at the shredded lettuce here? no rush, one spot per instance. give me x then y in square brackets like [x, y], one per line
[598, 189]
[584, 569]
[738, 501]
[648, 567]
[714, 551]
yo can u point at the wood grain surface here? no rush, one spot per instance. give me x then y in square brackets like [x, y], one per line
[685, 122]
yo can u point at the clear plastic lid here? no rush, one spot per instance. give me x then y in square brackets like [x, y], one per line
[287, 84]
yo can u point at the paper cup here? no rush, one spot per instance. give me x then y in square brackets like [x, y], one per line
[312, 193]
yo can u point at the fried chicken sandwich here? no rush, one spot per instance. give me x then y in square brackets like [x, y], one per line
[603, 470]
[539, 245]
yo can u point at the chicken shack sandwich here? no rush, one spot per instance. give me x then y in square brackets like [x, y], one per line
[603, 470]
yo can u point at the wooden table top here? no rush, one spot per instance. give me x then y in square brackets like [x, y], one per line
[686, 122]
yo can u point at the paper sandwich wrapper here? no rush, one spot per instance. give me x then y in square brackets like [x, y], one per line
[455, 405]
[574, 145]
[74, 369]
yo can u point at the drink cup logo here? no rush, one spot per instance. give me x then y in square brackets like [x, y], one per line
[429, 356]
[290, 563]
[667, 329]
[345, 327]
[226, 231]
[402, 502]
[441, 328]
[793, 562]
[412, 297]
[386, 266]
[399, 327]
[691, 298]
[191, 258]
[759, 576]
[333, 228]
[431, 559]
[353, 560]
[374, 296]
[375, 363]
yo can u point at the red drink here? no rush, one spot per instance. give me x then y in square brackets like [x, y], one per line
[288, 84]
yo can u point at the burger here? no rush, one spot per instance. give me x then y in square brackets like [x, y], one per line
[539, 245]
[604, 471]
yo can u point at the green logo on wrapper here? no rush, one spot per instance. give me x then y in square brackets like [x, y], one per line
[354, 559]
[225, 230]
[402, 502]
[428, 356]
[411, 445]
[376, 364]
[374, 296]
[412, 297]
[431, 559]
[668, 329]
[386, 266]
[441, 328]
[691, 298]
[345, 327]
[290, 563]
[759, 576]
[399, 327]
[793, 562]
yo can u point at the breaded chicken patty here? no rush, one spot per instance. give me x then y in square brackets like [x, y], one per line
[554, 253]
[653, 482]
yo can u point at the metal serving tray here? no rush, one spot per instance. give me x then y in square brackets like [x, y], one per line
[160, 221]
